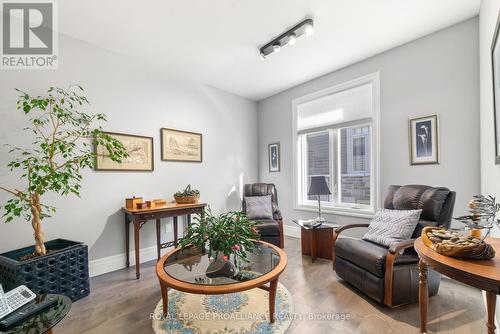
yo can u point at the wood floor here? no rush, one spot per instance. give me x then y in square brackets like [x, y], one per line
[121, 304]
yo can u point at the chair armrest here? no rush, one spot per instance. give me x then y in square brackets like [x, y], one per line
[390, 259]
[395, 249]
[346, 227]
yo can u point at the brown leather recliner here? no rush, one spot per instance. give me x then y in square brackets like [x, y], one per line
[386, 275]
[270, 230]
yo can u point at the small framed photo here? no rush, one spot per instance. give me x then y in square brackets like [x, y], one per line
[424, 140]
[178, 145]
[139, 148]
[274, 157]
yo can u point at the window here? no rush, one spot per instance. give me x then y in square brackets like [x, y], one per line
[336, 136]
[355, 178]
[318, 159]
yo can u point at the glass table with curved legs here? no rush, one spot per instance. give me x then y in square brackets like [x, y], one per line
[194, 271]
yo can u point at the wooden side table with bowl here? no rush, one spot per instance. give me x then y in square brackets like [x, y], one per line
[482, 274]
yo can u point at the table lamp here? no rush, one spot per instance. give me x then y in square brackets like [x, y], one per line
[319, 187]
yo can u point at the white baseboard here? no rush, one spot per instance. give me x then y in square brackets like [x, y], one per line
[291, 231]
[116, 262]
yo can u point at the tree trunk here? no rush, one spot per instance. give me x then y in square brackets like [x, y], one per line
[36, 223]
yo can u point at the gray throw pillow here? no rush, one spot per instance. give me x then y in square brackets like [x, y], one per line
[390, 227]
[259, 207]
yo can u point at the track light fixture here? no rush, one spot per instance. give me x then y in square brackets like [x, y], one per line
[290, 36]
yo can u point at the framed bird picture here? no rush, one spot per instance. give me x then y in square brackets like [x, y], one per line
[424, 140]
[274, 157]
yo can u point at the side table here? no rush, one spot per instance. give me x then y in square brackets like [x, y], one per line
[317, 242]
[481, 274]
[45, 321]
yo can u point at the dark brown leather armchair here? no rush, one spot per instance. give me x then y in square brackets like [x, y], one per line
[390, 275]
[270, 230]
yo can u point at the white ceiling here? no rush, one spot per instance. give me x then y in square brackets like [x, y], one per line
[216, 42]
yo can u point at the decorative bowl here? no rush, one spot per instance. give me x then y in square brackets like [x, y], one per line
[454, 244]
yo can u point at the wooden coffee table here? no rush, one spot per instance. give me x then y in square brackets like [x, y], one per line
[186, 270]
[484, 275]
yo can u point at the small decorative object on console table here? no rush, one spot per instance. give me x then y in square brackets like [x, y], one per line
[187, 196]
[316, 240]
[319, 187]
[131, 203]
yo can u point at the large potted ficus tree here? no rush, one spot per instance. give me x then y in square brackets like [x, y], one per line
[62, 146]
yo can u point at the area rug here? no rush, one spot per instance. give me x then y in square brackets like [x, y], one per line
[244, 312]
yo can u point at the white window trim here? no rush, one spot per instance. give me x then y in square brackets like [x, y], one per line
[374, 80]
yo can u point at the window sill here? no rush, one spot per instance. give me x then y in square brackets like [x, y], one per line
[360, 213]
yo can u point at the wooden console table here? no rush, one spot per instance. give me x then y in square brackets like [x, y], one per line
[482, 274]
[139, 217]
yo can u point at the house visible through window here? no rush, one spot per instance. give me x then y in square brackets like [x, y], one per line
[335, 139]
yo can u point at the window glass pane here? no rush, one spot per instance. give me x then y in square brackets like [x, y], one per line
[318, 160]
[355, 178]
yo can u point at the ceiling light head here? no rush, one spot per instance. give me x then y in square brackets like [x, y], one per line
[309, 29]
[288, 37]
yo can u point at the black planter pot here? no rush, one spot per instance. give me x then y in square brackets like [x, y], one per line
[63, 271]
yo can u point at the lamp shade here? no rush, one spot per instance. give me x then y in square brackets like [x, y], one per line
[318, 186]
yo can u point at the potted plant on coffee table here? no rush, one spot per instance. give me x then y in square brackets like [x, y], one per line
[229, 235]
[62, 146]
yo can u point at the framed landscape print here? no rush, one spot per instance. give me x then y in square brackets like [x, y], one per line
[495, 64]
[274, 157]
[139, 148]
[424, 140]
[177, 145]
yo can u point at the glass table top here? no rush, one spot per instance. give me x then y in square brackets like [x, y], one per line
[45, 320]
[305, 224]
[192, 266]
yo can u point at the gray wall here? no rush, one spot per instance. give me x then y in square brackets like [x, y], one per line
[434, 74]
[490, 173]
[136, 102]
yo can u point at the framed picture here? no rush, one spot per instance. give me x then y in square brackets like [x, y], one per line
[139, 148]
[274, 157]
[177, 145]
[424, 140]
[495, 64]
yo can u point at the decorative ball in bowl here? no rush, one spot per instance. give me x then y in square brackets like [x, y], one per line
[187, 196]
[454, 244]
